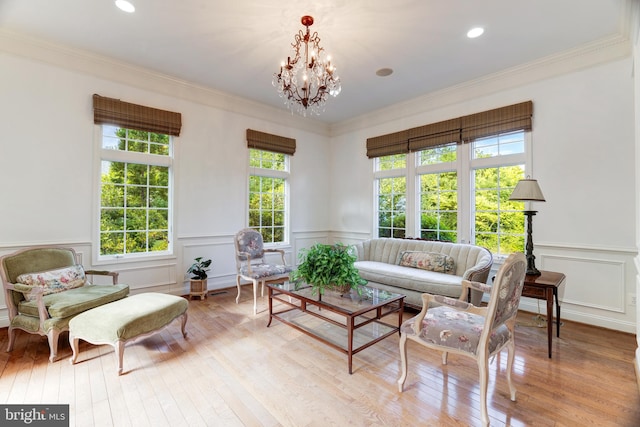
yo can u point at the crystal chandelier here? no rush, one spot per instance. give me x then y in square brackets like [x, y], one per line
[306, 80]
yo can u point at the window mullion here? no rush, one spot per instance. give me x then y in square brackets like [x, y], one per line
[465, 191]
[412, 212]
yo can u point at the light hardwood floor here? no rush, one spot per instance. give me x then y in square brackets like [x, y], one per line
[234, 371]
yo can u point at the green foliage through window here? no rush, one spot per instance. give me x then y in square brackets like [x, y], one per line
[267, 195]
[392, 201]
[134, 207]
[499, 222]
[439, 206]
[457, 192]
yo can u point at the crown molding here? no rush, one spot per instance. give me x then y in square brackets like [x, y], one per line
[589, 55]
[586, 56]
[110, 69]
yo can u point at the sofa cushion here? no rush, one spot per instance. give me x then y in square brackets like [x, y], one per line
[53, 281]
[431, 261]
[410, 278]
[74, 301]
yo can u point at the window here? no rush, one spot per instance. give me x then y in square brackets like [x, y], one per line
[135, 192]
[268, 190]
[438, 193]
[498, 222]
[391, 189]
[461, 192]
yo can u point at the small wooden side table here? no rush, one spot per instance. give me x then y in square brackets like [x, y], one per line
[546, 287]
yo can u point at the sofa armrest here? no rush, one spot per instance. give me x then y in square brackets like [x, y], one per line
[479, 272]
[34, 292]
[113, 274]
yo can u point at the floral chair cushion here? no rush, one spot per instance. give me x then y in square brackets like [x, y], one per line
[446, 327]
[432, 261]
[54, 281]
[258, 271]
[250, 242]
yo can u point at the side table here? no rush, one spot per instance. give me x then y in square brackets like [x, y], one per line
[546, 287]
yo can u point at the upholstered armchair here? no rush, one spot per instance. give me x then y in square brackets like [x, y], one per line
[45, 287]
[252, 266]
[455, 326]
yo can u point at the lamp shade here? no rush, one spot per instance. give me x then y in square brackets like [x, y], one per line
[527, 190]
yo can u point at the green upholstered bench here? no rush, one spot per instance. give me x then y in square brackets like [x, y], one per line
[127, 320]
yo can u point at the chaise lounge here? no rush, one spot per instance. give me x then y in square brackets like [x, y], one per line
[45, 288]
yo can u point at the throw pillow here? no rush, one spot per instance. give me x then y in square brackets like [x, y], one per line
[54, 281]
[432, 261]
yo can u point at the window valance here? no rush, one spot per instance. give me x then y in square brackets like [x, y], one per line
[459, 130]
[133, 116]
[266, 141]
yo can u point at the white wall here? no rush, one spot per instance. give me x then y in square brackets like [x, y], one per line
[635, 32]
[583, 157]
[48, 166]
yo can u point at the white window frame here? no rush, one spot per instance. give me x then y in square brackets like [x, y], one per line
[392, 173]
[272, 173]
[464, 165]
[102, 154]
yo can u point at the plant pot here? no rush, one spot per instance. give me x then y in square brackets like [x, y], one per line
[341, 289]
[198, 288]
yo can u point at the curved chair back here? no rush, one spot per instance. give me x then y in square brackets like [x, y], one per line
[249, 245]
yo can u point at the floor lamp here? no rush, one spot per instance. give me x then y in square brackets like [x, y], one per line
[527, 190]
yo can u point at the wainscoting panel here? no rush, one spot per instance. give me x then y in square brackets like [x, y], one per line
[599, 286]
[591, 282]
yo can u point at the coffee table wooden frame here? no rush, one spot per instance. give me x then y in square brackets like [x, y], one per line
[296, 302]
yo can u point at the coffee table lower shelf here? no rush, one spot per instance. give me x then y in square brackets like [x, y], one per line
[347, 331]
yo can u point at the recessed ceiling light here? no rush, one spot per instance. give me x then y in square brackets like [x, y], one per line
[475, 32]
[125, 6]
[384, 72]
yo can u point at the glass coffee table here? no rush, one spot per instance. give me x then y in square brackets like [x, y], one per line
[347, 322]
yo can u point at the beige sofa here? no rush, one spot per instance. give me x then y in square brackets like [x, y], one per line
[413, 267]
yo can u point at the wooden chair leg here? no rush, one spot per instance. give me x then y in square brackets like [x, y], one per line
[238, 284]
[511, 348]
[52, 337]
[403, 362]
[483, 368]
[255, 297]
[12, 338]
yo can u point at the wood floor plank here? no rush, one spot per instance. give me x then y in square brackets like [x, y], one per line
[233, 370]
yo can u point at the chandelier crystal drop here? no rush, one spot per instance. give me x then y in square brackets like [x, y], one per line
[307, 79]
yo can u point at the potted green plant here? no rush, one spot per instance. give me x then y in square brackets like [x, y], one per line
[198, 271]
[328, 267]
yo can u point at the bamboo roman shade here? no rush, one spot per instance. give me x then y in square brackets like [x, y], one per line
[266, 141]
[433, 135]
[132, 116]
[459, 130]
[386, 145]
[505, 119]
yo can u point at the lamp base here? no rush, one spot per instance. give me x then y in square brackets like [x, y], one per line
[531, 266]
[531, 259]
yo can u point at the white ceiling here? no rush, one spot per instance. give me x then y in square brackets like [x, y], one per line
[236, 46]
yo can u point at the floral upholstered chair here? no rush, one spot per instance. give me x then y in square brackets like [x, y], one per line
[45, 288]
[252, 266]
[455, 326]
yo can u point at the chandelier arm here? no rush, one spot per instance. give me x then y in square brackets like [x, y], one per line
[308, 93]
